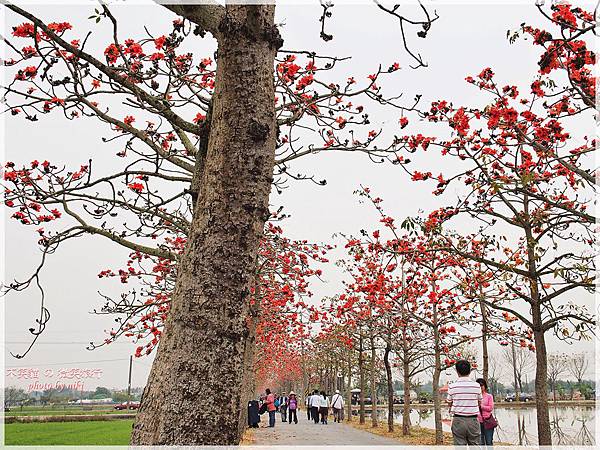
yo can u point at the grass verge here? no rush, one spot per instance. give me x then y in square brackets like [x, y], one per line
[115, 432]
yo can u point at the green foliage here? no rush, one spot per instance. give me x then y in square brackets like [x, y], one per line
[102, 392]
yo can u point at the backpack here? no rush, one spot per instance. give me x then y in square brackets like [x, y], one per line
[277, 403]
[293, 404]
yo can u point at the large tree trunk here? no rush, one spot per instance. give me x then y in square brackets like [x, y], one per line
[390, 386]
[374, 418]
[193, 395]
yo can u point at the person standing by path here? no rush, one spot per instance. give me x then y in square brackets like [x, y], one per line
[283, 407]
[485, 414]
[464, 397]
[293, 408]
[271, 408]
[323, 407]
[314, 406]
[337, 403]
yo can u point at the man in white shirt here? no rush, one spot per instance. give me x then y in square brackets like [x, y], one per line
[464, 397]
[337, 403]
[314, 402]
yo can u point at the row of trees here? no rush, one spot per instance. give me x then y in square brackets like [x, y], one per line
[525, 185]
[200, 151]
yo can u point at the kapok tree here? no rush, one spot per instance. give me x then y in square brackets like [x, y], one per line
[432, 290]
[200, 149]
[527, 184]
[374, 269]
[342, 326]
[369, 267]
[435, 304]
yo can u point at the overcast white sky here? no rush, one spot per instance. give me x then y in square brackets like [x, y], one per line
[466, 38]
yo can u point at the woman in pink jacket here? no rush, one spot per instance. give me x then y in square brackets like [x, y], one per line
[486, 409]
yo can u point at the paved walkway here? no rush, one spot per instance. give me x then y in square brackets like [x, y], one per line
[307, 433]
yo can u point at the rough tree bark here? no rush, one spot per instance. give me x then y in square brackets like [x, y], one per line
[205, 340]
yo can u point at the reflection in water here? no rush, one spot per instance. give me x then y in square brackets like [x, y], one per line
[570, 425]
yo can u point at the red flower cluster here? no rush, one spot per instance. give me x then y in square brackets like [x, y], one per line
[136, 187]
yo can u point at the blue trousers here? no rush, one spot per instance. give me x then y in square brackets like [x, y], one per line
[487, 436]
[272, 418]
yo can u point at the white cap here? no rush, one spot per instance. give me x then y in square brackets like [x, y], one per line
[337, 391]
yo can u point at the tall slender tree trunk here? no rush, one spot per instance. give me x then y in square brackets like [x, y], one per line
[484, 338]
[349, 387]
[541, 370]
[200, 359]
[374, 418]
[390, 385]
[541, 377]
[361, 369]
[406, 406]
[437, 371]
[437, 404]
[405, 360]
[515, 374]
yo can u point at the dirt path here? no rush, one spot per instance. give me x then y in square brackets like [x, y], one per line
[307, 433]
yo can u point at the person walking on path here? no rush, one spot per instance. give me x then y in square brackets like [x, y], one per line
[486, 411]
[307, 404]
[315, 403]
[283, 406]
[464, 398]
[293, 408]
[323, 407]
[337, 403]
[271, 408]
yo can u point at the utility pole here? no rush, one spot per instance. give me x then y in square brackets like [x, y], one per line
[129, 382]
